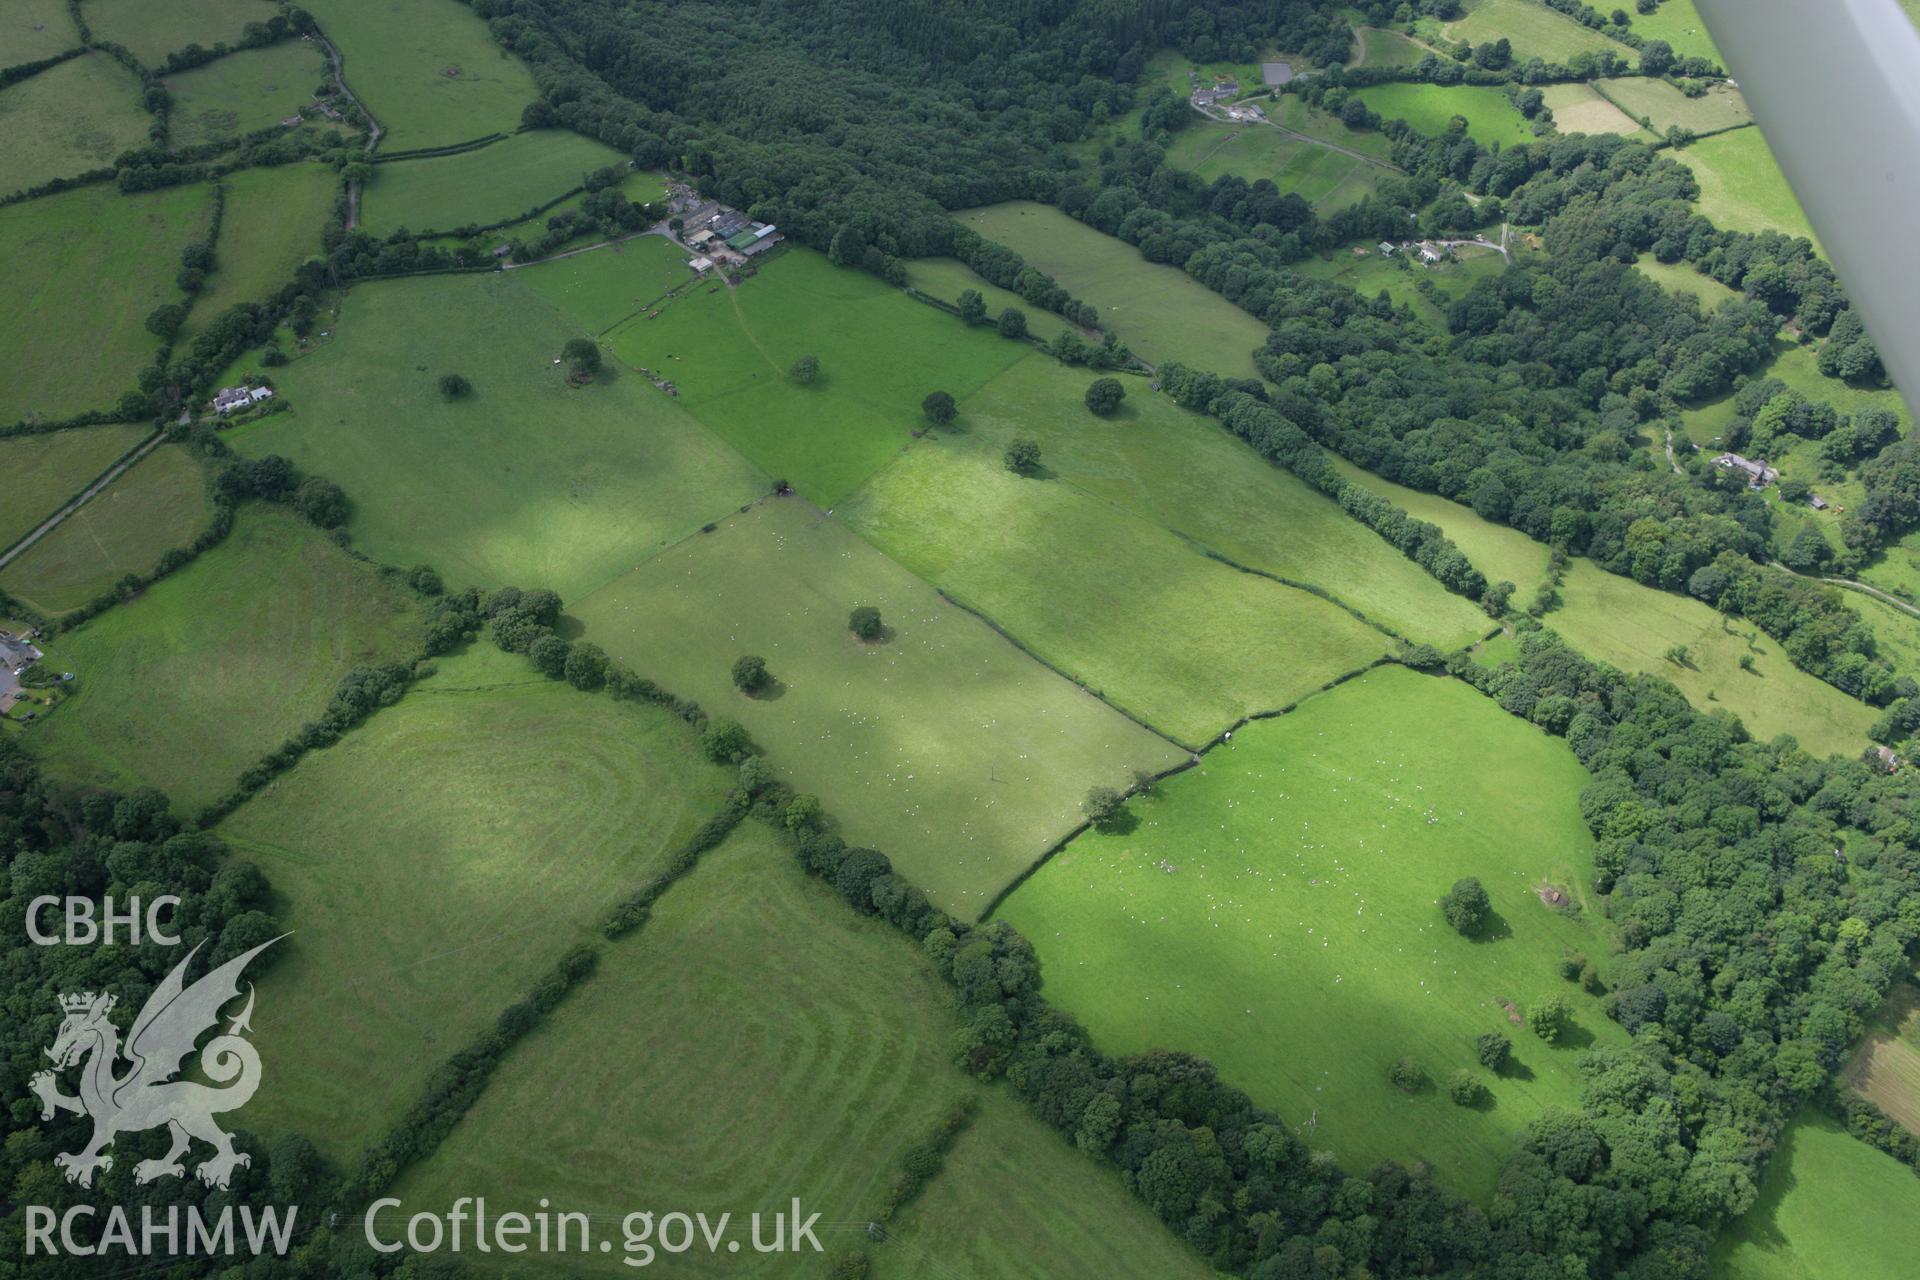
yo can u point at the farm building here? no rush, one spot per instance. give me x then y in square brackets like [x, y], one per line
[1219, 93]
[227, 399]
[701, 264]
[755, 239]
[1817, 502]
[1759, 474]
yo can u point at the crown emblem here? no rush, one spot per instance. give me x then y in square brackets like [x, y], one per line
[84, 1001]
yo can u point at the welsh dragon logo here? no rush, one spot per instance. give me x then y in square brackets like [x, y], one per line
[147, 1095]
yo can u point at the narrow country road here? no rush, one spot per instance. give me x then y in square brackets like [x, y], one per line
[1671, 461]
[51, 522]
[1853, 585]
[373, 126]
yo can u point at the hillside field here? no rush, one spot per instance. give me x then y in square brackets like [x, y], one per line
[513, 499]
[1534, 30]
[1885, 1069]
[217, 664]
[1618, 621]
[87, 267]
[1139, 615]
[1579, 108]
[1663, 106]
[1071, 1217]
[1742, 187]
[598, 290]
[248, 89]
[1321, 176]
[943, 746]
[948, 278]
[154, 506]
[435, 862]
[68, 120]
[43, 471]
[1678, 23]
[270, 225]
[1159, 311]
[1379, 47]
[1678, 277]
[1370, 274]
[880, 352]
[1291, 111]
[35, 29]
[152, 31]
[1499, 552]
[498, 181]
[1428, 108]
[1831, 1208]
[428, 70]
[1283, 895]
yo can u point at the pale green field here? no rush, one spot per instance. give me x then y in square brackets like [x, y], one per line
[1159, 311]
[67, 120]
[1678, 277]
[428, 70]
[1369, 274]
[1578, 108]
[1620, 622]
[535, 482]
[1662, 105]
[218, 664]
[434, 863]
[43, 471]
[270, 225]
[35, 29]
[1497, 551]
[248, 89]
[1275, 913]
[948, 278]
[724, 1059]
[1831, 1208]
[944, 746]
[153, 30]
[1742, 187]
[1534, 30]
[598, 290]
[501, 180]
[158, 504]
[1377, 47]
[1180, 640]
[1678, 23]
[1430, 108]
[1323, 177]
[1886, 1067]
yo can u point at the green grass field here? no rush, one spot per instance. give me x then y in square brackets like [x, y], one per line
[86, 267]
[1618, 621]
[1429, 108]
[1370, 274]
[640, 186]
[1275, 912]
[1578, 108]
[807, 1083]
[1323, 177]
[1678, 277]
[880, 353]
[944, 746]
[1742, 187]
[1799, 368]
[1498, 551]
[434, 863]
[1292, 112]
[1182, 471]
[598, 290]
[948, 278]
[67, 120]
[1140, 615]
[35, 29]
[1070, 1217]
[43, 471]
[501, 180]
[1535, 30]
[246, 90]
[1159, 311]
[1377, 47]
[534, 482]
[217, 664]
[271, 224]
[1831, 1208]
[1886, 1067]
[1678, 23]
[152, 31]
[159, 503]
[1896, 633]
[1663, 106]
[428, 70]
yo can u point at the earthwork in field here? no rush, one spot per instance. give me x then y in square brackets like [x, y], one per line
[941, 743]
[68, 120]
[529, 807]
[1284, 895]
[217, 664]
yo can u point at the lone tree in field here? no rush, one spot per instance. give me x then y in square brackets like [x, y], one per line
[1023, 457]
[1103, 807]
[939, 408]
[805, 369]
[1493, 1050]
[973, 307]
[1548, 1018]
[1465, 1090]
[583, 353]
[1465, 905]
[164, 321]
[750, 673]
[865, 623]
[1105, 395]
[1406, 1074]
[455, 387]
[1012, 323]
[725, 741]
